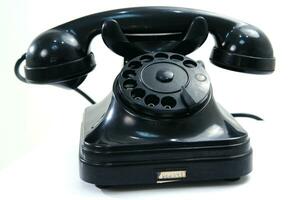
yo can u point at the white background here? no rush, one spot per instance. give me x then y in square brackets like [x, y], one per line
[40, 125]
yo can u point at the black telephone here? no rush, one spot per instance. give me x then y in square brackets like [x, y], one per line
[161, 123]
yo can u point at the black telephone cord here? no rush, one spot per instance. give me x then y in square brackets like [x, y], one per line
[247, 115]
[79, 91]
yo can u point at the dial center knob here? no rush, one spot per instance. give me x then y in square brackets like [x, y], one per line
[164, 76]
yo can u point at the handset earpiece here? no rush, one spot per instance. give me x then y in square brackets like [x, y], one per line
[56, 57]
[244, 49]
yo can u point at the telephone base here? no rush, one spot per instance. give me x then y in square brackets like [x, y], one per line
[115, 152]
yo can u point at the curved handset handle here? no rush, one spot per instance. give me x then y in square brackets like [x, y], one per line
[61, 55]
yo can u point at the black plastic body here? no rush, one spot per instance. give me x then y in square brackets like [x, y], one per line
[131, 32]
[121, 147]
[161, 123]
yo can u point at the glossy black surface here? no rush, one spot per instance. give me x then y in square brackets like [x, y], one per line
[56, 57]
[232, 37]
[54, 47]
[131, 32]
[121, 126]
[209, 145]
[163, 84]
[162, 115]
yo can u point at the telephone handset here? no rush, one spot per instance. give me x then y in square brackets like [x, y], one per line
[161, 123]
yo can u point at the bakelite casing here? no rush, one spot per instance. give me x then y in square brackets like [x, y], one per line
[160, 123]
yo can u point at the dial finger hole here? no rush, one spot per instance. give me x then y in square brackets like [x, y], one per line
[151, 100]
[129, 84]
[189, 63]
[134, 64]
[147, 58]
[176, 57]
[168, 102]
[138, 93]
[161, 56]
[128, 74]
